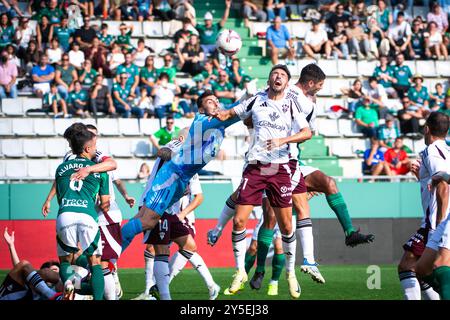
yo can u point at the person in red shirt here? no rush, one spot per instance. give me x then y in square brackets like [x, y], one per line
[397, 158]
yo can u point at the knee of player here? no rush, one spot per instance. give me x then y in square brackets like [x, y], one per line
[253, 248]
[238, 223]
[331, 186]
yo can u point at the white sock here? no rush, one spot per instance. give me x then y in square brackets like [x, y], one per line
[197, 262]
[162, 274]
[305, 234]
[110, 285]
[239, 248]
[289, 247]
[149, 275]
[410, 285]
[228, 212]
[273, 281]
[428, 293]
[39, 284]
[177, 264]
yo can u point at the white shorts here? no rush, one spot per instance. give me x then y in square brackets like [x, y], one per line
[73, 228]
[44, 87]
[307, 170]
[440, 237]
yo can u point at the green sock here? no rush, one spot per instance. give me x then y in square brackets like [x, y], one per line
[86, 289]
[264, 240]
[442, 275]
[82, 261]
[249, 262]
[97, 282]
[337, 204]
[278, 262]
[65, 271]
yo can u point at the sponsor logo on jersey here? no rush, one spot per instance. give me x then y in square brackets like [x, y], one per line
[74, 203]
[274, 116]
[264, 123]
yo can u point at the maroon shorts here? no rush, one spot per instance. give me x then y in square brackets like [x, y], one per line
[274, 178]
[10, 289]
[111, 241]
[417, 243]
[298, 181]
[168, 228]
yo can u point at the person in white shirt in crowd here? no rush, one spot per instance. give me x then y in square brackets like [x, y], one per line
[141, 53]
[436, 42]
[115, 58]
[399, 35]
[54, 52]
[164, 96]
[76, 56]
[316, 42]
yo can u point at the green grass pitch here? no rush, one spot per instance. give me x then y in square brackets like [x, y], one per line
[343, 282]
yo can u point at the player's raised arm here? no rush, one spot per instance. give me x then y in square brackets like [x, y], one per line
[108, 164]
[123, 191]
[9, 238]
[48, 200]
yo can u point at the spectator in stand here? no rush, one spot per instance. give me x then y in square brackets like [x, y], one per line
[6, 31]
[387, 133]
[359, 39]
[87, 75]
[141, 53]
[106, 40]
[397, 159]
[181, 37]
[43, 33]
[31, 57]
[340, 16]
[65, 77]
[78, 101]
[438, 16]
[168, 68]
[42, 75]
[377, 96]
[148, 74]
[115, 58]
[52, 100]
[384, 74]
[223, 89]
[374, 163]
[384, 15]
[409, 118]
[54, 53]
[359, 9]
[208, 32]
[124, 39]
[144, 10]
[338, 42]
[24, 34]
[100, 98]
[250, 9]
[63, 33]
[163, 10]
[144, 102]
[402, 74]
[144, 172]
[88, 7]
[379, 44]
[164, 100]
[192, 57]
[279, 42]
[196, 91]
[11, 8]
[436, 43]
[8, 76]
[366, 118]
[131, 70]
[418, 46]
[210, 74]
[237, 75]
[418, 94]
[165, 134]
[52, 11]
[399, 35]
[85, 35]
[446, 108]
[128, 10]
[11, 50]
[316, 42]
[97, 54]
[275, 8]
[76, 56]
[437, 98]
[123, 98]
[354, 95]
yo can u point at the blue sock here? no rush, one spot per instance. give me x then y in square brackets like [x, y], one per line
[129, 231]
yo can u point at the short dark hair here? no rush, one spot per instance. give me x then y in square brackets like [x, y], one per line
[311, 72]
[204, 95]
[438, 124]
[372, 79]
[76, 127]
[169, 118]
[91, 126]
[79, 139]
[400, 13]
[164, 75]
[48, 264]
[282, 67]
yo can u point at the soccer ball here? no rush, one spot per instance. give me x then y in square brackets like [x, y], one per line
[229, 42]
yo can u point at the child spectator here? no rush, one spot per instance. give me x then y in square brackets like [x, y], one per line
[52, 100]
[78, 101]
[397, 159]
[437, 98]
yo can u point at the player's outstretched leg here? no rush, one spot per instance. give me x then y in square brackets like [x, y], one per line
[110, 284]
[250, 255]
[320, 182]
[162, 271]
[228, 212]
[278, 262]
[265, 237]
[149, 258]
[407, 276]
[146, 219]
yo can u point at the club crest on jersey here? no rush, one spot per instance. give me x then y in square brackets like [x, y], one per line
[274, 116]
[161, 235]
[285, 108]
